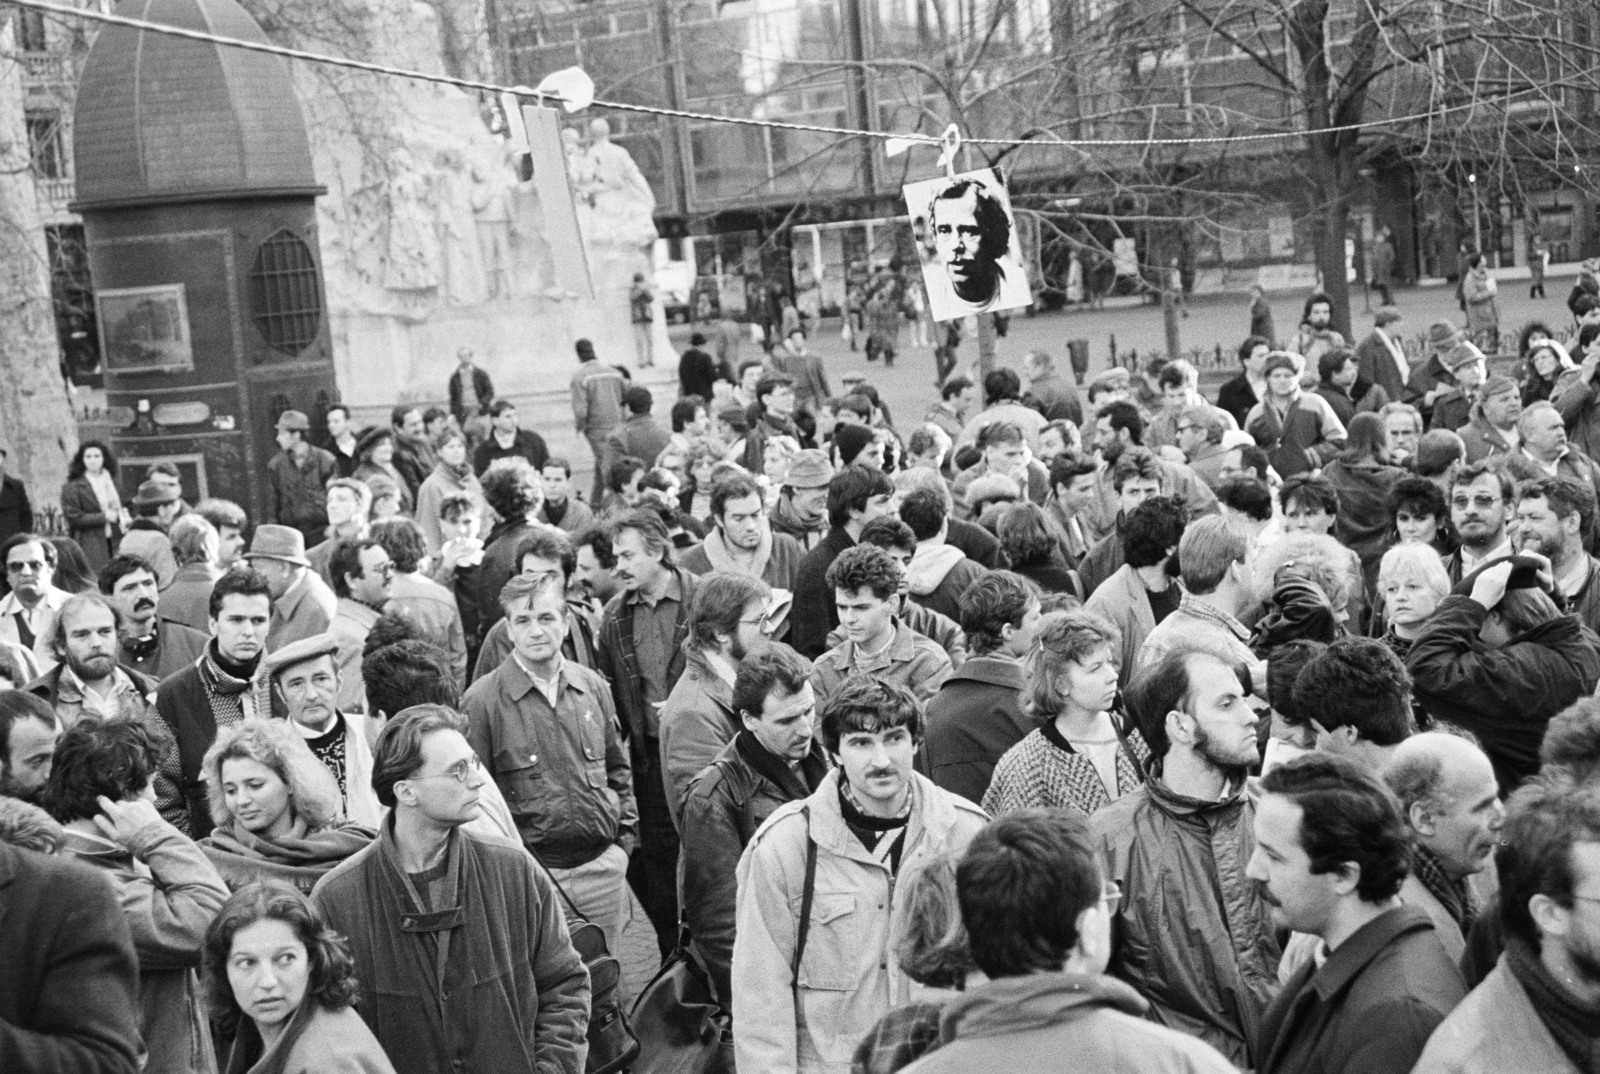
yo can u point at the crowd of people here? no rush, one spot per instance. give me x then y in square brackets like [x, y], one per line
[1126, 730]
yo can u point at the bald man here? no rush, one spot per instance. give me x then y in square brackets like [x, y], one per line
[1447, 790]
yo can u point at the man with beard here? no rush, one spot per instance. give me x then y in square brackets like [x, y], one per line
[642, 652]
[1540, 1007]
[151, 645]
[28, 733]
[1480, 503]
[1316, 335]
[1553, 514]
[1195, 937]
[219, 690]
[727, 622]
[302, 675]
[1330, 854]
[87, 680]
[1451, 803]
[802, 508]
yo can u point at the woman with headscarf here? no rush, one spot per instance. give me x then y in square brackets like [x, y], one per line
[277, 808]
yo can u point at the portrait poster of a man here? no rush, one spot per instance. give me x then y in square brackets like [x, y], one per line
[976, 263]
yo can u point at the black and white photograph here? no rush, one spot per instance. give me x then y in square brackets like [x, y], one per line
[976, 264]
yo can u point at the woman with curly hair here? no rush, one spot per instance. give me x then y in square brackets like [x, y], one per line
[276, 806]
[281, 984]
[95, 514]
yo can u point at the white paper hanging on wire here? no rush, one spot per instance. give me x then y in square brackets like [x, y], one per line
[977, 264]
[556, 199]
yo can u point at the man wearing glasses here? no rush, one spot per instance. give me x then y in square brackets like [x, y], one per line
[548, 732]
[363, 576]
[1480, 500]
[466, 960]
[29, 610]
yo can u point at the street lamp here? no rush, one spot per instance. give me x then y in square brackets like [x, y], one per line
[1477, 219]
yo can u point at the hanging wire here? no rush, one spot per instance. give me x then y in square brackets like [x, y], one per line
[706, 117]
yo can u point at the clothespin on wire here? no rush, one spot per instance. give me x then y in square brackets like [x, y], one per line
[951, 141]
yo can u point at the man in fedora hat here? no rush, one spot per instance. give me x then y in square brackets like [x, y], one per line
[802, 508]
[1433, 378]
[298, 475]
[302, 604]
[156, 506]
[1453, 409]
[304, 675]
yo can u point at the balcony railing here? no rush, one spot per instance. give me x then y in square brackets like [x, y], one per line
[57, 192]
[46, 68]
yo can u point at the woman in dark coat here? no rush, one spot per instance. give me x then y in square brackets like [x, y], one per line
[1031, 544]
[91, 505]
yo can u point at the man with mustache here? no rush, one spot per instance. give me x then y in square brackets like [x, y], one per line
[1480, 503]
[1451, 803]
[87, 679]
[1330, 853]
[1194, 936]
[151, 645]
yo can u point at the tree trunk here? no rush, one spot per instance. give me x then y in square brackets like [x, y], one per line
[35, 414]
[986, 344]
[1169, 321]
[1332, 222]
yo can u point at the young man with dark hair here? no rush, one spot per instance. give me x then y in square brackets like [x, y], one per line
[866, 584]
[1196, 937]
[775, 757]
[1539, 1009]
[1339, 381]
[102, 791]
[727, 623]
[1238, 395]
[218, 691]
[956, 397]
[89, 678]
[642, 652]
[1002, 401]
[515, 493]
[1451, 802]
[28, 732]
[542, 723]
[1005, 452]
[977, 714]
[149, 644]
[896, 538]
[1179, 382]
[856, 496]
[870, 819]
[939, 572]
[363, 578]
[1136, 476]
[560, 507]
[1497, 645]
[639, 436]
[1246, 502]
[430, 605]
[508, 440]
[1310, 504]
[742, 540]
[1356, 697]
[1142, 592]
[1330, 854]
[1037, 911]
[424, 996]
[1073, 479]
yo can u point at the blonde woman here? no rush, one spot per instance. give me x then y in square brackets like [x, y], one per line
[1412, 581]
[277, 808]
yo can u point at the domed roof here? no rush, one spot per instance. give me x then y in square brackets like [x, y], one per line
[163, 119]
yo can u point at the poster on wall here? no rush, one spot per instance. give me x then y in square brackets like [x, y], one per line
[977, 264]
[1125, 257]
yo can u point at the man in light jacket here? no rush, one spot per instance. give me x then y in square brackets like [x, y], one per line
[872, 817]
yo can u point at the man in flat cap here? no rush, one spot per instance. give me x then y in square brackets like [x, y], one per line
[305, 677]
[155, 507]
[298, 476]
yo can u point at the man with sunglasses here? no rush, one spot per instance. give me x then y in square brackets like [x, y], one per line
[466, 960]
[29, 610]
[547, 730]
[363, 577]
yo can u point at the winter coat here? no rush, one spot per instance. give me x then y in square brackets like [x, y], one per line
[433, 609]
[1483, 440]
[938, 575]
[512, 994]
[1301, 437]
[1031, 1024]
[1363, 397]
[697, 722]
[525, 444]
[563, 770]
[177, 646]
[316, 1041]
[136, 701]
[1045, 771]
[849, 975]
[1452, 410]
[300, 859]
[169, 892]
[1123, 601]
[1194, 934]
[16, 514]
[722, 808]
[1237, 397]
[1504, 696]
[813, 614]
[1425, 377]
[305, 611]
[1375, 364]
[640, 437]
[1362, 524]
[1575, 401]
[297, 495]
[482, 392]
[939, 629]
[86, 522]
[972, 721]
[188, 599]
[909, 660]
[69, 995]
[1056, 397]
[596, 398]
[1493, 1031]
[1369, 1009]
[1483, 308]
[430, 496]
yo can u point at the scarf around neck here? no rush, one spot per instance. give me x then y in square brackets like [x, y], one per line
[226, 691]
[724, 557]
[1575, 1025]
[1454, 895]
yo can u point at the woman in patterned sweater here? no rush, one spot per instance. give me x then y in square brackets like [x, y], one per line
[1080, 756]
